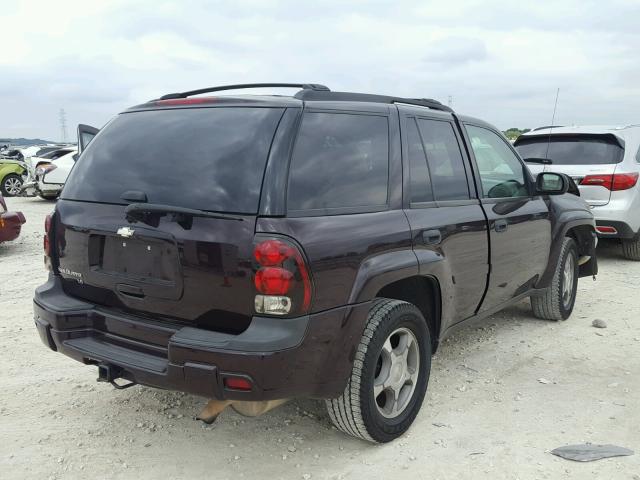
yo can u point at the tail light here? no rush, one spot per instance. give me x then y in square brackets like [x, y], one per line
[45, 168]
[281, 278]
[47, 242]
[615, 182]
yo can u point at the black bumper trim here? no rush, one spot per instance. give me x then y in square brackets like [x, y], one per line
[623, 229]
[285, 358]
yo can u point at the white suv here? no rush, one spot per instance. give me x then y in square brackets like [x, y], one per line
[604, 161]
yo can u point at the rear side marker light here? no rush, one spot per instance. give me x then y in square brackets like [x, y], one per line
[237, 383]
[606, 229]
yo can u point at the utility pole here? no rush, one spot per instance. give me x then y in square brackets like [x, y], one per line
[63, 125]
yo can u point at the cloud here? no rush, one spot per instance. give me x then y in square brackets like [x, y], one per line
[499, 61]
[455, 51]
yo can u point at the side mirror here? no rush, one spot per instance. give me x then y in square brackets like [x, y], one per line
[549, 183]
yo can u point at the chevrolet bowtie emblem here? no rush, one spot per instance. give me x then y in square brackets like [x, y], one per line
[125, 232]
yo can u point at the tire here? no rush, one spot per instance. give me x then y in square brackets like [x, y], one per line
[357, 412]
[631, 249]
[8, 185]
[556, 303]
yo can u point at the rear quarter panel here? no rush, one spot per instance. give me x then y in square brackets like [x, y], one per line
[350, 256]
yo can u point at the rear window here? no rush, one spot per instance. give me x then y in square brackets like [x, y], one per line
[340, 161]
[205, 158]
[572, 150]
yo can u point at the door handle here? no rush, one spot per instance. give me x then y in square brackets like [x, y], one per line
[431, 237]
[500, 226]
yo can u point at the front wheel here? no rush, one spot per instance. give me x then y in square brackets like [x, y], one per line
[389, 377]
[11, 185]
[557, 301]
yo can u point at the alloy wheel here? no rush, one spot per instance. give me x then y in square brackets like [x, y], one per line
[567, 281]
[12, 185]
[397, 372]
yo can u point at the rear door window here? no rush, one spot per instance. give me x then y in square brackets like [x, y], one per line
[418, 170]
[204, 158]
[446, 164]
[340, 161]
[572, 149]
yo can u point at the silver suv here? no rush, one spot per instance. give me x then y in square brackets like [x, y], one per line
[604, 161]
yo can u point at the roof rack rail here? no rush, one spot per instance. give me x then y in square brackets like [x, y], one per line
[328, 95]
[547, 126]
[304, 86]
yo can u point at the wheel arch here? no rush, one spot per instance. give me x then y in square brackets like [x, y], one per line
[424, 293]
[582, 230]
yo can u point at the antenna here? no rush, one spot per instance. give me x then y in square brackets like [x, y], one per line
[450, 101]
[63, 125]
[553, 119]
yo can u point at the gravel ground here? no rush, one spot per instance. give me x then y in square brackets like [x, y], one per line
[501, 396]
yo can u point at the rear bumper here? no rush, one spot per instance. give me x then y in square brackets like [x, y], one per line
[49, 188]
[615, 229]
[283, 358]
[10, 225]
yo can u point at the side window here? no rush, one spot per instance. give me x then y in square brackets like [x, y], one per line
[418, 170]
[501, 173]
[446, 165]
[339, 161]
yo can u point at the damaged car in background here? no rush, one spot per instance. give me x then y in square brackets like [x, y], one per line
[50, 175]
[41, 165]
[332, 241]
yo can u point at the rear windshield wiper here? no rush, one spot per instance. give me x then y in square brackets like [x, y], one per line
[150, 214]
[544, 161]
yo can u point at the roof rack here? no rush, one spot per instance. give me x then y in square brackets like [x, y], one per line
[547, 126]
[304, 86]
[328, 95]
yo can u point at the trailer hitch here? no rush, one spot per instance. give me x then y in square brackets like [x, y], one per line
[110, 373]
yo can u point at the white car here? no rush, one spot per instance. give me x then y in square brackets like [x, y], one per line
[604, 161]
[51, 177]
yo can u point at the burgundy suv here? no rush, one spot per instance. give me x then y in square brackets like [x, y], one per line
[252, 249]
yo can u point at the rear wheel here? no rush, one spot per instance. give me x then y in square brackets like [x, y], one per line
[631, 249]
[557, 302]
[389, 377]
[11, 184]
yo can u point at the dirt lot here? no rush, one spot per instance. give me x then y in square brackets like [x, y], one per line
[487, 414]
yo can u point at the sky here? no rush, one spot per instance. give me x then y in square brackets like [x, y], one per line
[499, 61]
